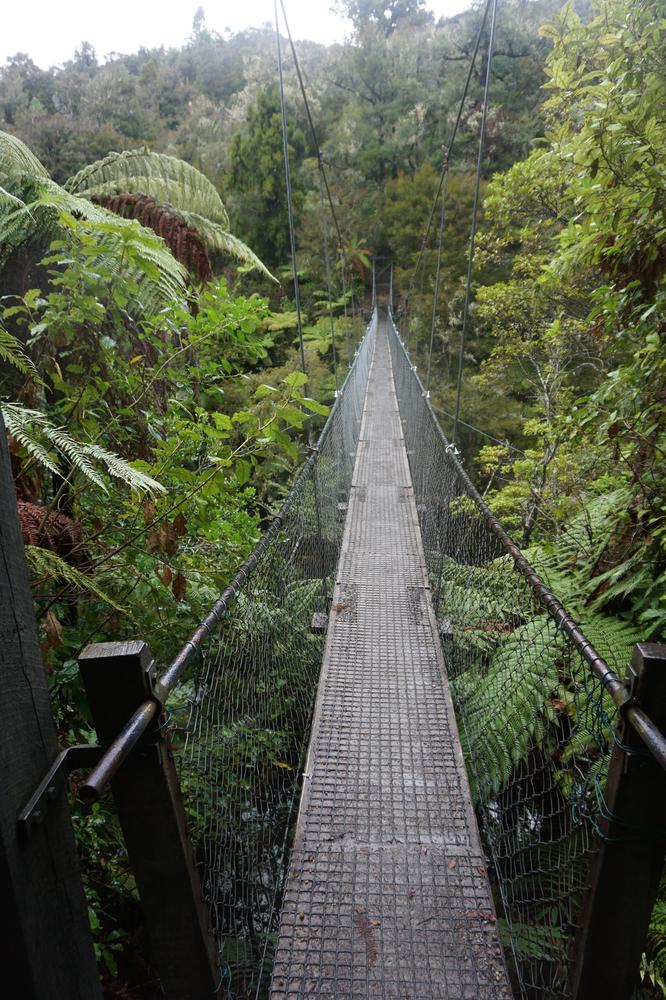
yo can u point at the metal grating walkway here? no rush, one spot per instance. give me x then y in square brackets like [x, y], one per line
[387, 893]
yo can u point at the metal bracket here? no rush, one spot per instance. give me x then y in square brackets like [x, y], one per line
[34, 811]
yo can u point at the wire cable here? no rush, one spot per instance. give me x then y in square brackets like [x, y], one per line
[475, 210]
[323, 184]
[477, 430]
[438, 273]
[329, 280]
[290, 207]
[313, 131]
[449, 149]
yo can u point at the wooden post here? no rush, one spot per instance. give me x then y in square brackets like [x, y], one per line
[46, 948]
[626, 867]
[118, 677]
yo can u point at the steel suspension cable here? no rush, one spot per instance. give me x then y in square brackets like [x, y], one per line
[290, 207]
[438, 272]
[313, 131]
[344, 303]
[329, 281]
[475, 209]
[477, 430]
[323, 183]
[449, 149]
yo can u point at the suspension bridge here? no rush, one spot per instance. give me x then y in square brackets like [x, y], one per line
[388, 764]
[387, 893]
[403, 763]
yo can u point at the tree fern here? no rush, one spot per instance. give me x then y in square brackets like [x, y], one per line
[8, 198]
[40, 210]
[160, 279]
[165, 178]
[505, 707]
[31, 206]
[17, 160]
[220, 239]
[43, 440]
[173, 183]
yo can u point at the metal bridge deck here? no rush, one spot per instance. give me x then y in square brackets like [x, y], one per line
[387, 893]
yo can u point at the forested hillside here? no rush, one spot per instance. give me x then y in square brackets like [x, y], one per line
[150, 376]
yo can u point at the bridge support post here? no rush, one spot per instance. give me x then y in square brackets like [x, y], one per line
[46, 948]
[626, 867]
[118, 677]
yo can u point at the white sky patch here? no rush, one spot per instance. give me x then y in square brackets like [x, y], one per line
[49, 32]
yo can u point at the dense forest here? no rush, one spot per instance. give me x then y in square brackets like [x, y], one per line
[150, 377]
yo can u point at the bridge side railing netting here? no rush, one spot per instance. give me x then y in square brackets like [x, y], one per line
[244, 706]
[536, 723]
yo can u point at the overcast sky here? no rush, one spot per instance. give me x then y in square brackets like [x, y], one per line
[50, 31]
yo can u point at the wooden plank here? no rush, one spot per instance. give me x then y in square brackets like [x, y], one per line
[626, 867]
[118, 677]
[46, 946]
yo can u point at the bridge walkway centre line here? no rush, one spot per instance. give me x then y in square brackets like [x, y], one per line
[387, 894]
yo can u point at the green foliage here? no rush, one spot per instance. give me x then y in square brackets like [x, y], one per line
[258, 179]
[166, 178]
[577, 325]
[35, 432]
[506, 706]
[47, 567]
[655, 966]
[170, 181]
[149, 442]
[11, 353]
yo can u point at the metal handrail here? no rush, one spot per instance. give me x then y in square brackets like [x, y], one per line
[137, 725]
[652, 736]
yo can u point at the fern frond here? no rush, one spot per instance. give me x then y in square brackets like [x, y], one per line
[165, 178]
[34, 429]
[36, 433]
[45, 563]
[9, 198]
[22, 425]
[160, 278]
[121, 469]
[504, 707]
[12, 353]
[533, 942]
[17, 160]
[221, 239]
[613, 639]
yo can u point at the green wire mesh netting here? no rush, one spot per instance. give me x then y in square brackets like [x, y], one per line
[246, 708]
[536, 727]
